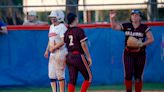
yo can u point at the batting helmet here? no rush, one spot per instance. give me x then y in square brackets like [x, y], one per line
[57, 14]
[136, 11]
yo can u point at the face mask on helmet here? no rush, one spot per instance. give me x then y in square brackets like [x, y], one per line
[59, 15]
[54, 19]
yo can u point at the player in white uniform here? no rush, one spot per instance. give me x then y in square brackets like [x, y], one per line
[58, 50]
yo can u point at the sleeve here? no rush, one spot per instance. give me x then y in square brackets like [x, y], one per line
[82, 35]
[63, 30]
[124, 26]
[147, 29]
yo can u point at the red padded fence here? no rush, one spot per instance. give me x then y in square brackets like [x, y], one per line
[20, 27]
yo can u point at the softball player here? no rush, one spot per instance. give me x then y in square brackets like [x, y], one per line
[58, 51]
[134, 58]
[75, 40]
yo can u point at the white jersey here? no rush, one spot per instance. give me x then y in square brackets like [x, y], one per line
[56, 33]
[57, 59]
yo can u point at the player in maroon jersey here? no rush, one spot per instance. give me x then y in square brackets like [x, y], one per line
[78, 58]
[134, 58]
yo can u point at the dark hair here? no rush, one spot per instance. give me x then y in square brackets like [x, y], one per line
[70, 18]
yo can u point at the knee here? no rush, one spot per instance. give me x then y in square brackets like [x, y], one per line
[53, 80]
[138, 79]
[88, 78]
[128, 77]
[60, 75]
[51, 76]
[61, 79]
[72, 81]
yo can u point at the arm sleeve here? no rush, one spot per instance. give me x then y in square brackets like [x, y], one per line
[82, 35]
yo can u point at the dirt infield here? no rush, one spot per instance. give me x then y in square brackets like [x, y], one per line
[122, 91]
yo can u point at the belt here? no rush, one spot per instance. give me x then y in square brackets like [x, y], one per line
[132, 50]
[75, 52]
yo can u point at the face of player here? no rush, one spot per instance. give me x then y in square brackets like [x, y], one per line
[135, 17]
[54, 21]
[75, 21]
[31, 18]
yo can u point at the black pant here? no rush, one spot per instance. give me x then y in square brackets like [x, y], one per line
[134, 63]
[78, 63]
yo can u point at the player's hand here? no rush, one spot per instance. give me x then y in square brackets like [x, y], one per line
[112, 14]
[46, 54]
[52, 49]
[89, 61]
[141, 44]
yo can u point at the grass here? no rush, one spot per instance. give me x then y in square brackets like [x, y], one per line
[148, 86]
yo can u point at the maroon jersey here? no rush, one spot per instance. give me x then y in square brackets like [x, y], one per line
[73, 38]
[139, 33]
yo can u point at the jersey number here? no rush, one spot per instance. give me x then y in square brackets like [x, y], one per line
[71, 40]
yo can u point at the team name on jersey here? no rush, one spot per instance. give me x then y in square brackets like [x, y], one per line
[137, 34]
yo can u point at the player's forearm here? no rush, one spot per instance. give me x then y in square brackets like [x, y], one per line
[85, 49]
[114, 24]
[58, 45]
[148, 41]
[47, 46]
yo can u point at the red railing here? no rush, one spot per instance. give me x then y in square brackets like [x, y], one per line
[37, 27]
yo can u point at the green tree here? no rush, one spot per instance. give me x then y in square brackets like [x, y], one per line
[11, 15]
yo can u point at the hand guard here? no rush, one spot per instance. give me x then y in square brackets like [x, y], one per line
[134, 42]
